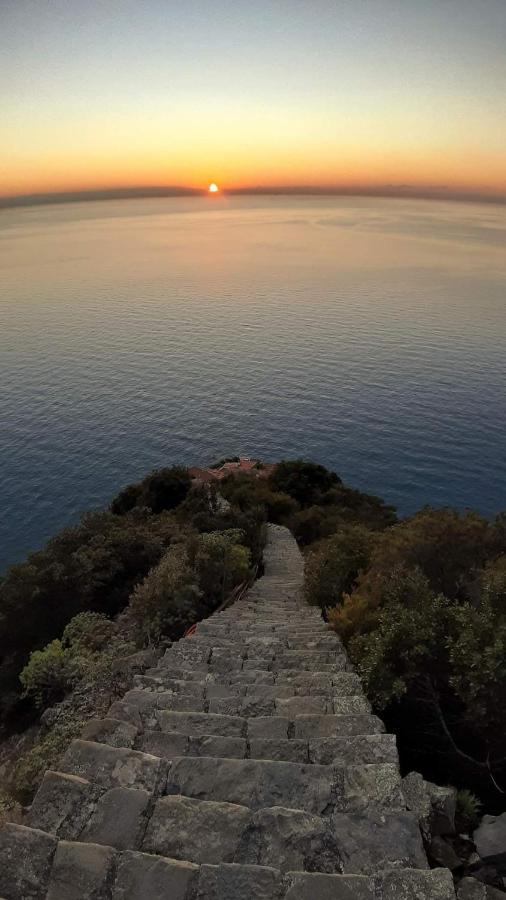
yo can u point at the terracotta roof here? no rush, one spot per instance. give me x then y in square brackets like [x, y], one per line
[244, 464]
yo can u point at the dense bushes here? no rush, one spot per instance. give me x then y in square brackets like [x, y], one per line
[425, 623]
[162, 490]
[332, 567]
[188, 583]
[90, 567]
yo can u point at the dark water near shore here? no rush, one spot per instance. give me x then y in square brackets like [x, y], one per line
[368, 335]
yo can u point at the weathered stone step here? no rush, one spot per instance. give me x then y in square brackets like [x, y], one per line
[284, 838]
[36, 866]
[258, 783]
[359, 749]
[112, 767]
[343, 684]
[305, 727]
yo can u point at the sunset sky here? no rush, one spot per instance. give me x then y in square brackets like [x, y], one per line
[109, 93]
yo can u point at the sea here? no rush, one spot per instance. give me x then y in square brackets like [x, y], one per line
[365, 334]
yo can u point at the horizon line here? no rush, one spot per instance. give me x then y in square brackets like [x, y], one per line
[400, 192]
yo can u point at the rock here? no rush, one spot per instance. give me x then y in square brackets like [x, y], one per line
[335, 726]
[434, 805]
[164, 744]
[127, 666]
[417, 799]
[141, 876]
[268, 727]
[354, 750]
[203, 831]
[305, 886]
[81, 871]
[114, 766]
[110, 731]
[26, 855]
[410, 884]
[214, 745]
[379, 783]
[471, 889]
[235, 882]
[443, 854]
[373, 840]
[62, 805]
[490, 840]
[119, 819]
[254, 783]
[443, 802]
[290, 839]
[200, 723]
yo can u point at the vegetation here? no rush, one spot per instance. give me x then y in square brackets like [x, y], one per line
[162, 490]
[423, 616]
[420, 605]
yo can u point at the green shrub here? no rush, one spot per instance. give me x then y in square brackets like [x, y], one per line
[332, 567]
[89, 632]
[49, 674]
[163, 489]
[221, 562]
[168, 598]
[468, 811]
[305, 481]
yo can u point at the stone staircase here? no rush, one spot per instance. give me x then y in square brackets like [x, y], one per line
[246, 766]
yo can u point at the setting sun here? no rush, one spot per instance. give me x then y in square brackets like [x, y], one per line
[213, 188]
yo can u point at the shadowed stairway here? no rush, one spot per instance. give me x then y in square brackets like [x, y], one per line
[246, 766]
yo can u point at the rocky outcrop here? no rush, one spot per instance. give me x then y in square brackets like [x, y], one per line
[245, 764]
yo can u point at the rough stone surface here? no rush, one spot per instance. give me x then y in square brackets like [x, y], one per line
[304, 886]
[81, 870]
[490, 840]
[374, 840]
[119, 819]
[290, 839]
[231, 882]
[244, 765]
[141, 876]
[204, 831]
[26, 855]
[409, 884]
[472, 889]
[62, 805]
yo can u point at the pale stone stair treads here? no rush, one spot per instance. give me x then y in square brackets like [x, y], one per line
[246, 765]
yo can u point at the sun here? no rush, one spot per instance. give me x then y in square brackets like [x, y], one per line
[213, 188]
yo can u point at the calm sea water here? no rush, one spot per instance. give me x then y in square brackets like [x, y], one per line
[368, 335]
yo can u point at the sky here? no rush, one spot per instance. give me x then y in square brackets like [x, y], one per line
[329, 93]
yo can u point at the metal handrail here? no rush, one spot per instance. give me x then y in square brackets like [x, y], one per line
[237, 594]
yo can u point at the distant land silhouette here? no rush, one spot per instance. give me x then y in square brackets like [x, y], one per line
[399, 191]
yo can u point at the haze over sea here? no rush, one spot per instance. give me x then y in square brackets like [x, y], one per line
[366, 334]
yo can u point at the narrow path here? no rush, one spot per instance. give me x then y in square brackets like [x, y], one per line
[246, 766]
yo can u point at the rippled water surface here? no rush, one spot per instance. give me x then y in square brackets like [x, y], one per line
[366, 334]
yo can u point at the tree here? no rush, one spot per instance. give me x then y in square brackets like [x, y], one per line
[49, 674]
[167, 601]
[305, 481]
[333, 566]
[221, 563]
[163, 489]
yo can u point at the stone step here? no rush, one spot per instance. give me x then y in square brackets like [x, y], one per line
[280, 837]
[352, 749]
[111, 767]
[48, 869]
[303, 727]
[257, 783]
